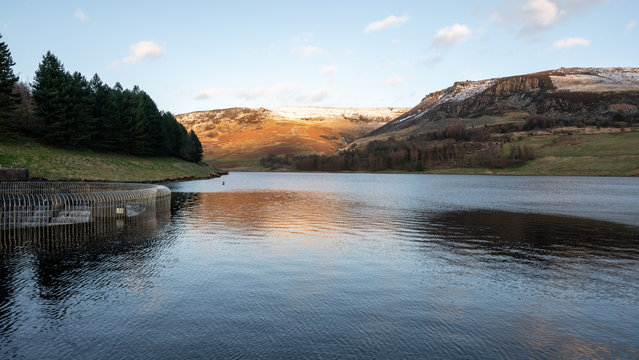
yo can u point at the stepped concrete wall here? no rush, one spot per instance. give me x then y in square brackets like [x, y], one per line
[8, 174]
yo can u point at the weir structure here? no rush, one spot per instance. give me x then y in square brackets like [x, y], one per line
[32, 212]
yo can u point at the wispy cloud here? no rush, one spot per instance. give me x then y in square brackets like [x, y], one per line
[534, 16]
[569, 42]
[329, 69]
[80, 15]
[300, 46]
[280, 90]
[394, 81]
[307, 50]
[141, 51]
[428, 60]
[389, 21]
[283, 92]
[631, 25]
[451, 35]
[207, 93]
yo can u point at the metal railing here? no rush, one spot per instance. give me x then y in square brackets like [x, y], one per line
[31, 210]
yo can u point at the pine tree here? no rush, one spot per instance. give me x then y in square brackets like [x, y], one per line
[9, 97]
[196, 151]
[79, 119]
[50, 97]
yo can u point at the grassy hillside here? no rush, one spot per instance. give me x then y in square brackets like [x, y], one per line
[238, 138]
[59, 164]
[592, 155]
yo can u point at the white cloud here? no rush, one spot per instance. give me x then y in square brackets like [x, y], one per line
[385, 23]
[631, 25]
[307, 50]
[329, 69]
[141, 51]
[314, 96]
[534, 16]
[540, 12]
[80, 15]
[451, 35]
[395, 42]
[144, 50]
[569, 42]
[300, 46]
[207, 93]
[394, 81]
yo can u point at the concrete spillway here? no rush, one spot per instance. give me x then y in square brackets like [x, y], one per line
[34, 206]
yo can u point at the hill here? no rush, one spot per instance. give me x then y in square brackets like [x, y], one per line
[569, 121]
[237, 138]
[579, 96]
[45, 162]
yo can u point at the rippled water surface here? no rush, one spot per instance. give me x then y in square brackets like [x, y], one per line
[337, 266]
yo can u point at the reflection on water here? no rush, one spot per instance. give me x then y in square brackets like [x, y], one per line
[333, 268]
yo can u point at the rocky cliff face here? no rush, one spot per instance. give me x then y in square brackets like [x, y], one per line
[567, 92]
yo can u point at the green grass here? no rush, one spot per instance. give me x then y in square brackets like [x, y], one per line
[49, 163]
[587, 155]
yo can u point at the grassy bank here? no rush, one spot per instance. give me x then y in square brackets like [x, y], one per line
[587, 154]
[50, 163]
[584, 155]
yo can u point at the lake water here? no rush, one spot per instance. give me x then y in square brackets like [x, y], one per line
[307, 265]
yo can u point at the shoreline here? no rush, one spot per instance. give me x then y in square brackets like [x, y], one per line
[167, 180]
[442, 172]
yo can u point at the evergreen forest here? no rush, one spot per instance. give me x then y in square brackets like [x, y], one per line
[67, 110]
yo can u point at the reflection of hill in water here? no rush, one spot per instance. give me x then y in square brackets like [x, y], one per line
[313, 216]
[259, 214]
[525, 236]
[321, 272]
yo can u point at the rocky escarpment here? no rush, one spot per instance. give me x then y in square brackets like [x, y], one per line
[577, 93]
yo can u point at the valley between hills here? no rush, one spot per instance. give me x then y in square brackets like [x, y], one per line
[568, 121]
[238, 138]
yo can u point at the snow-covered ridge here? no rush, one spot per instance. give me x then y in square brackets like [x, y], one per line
[309, 112]
[463, 90]
[459, 92]
[296, 113]
[596, 79]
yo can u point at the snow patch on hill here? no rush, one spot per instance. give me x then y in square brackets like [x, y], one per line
[459, 92]
[596, 79]
[463, 90]
[317, 112]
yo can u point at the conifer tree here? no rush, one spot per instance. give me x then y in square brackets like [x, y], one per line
[196, 151]
[50, 97]
[9, 97]
[79, 119]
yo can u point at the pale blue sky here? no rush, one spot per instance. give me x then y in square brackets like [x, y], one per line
[201, 55]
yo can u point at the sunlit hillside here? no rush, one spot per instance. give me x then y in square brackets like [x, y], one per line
[237, 138]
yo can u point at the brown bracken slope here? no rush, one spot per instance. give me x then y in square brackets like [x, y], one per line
[237, 138]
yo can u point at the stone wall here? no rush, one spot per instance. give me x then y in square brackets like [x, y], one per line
[7, 174]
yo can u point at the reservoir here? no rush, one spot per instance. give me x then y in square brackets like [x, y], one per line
[315, 265]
